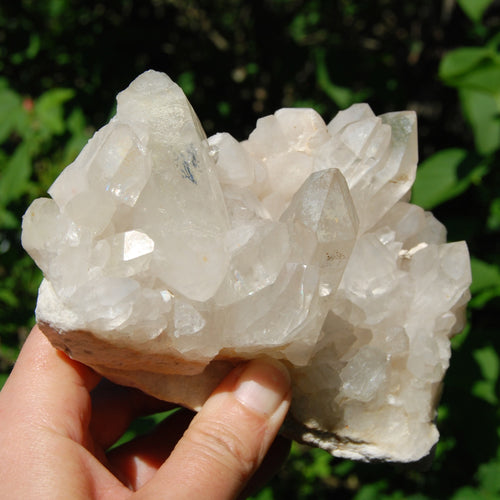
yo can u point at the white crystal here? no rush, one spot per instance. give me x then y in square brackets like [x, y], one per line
[364, 374]
[169, 257]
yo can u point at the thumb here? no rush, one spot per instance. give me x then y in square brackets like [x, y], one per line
[227, 440]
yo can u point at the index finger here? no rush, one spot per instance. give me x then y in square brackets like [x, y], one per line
[228, 439]
[49, 388]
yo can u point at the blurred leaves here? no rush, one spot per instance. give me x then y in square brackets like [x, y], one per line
[459, 63]
[488, 476]
[485, 282]
[15, 175]
[50, 112]
[475, 8]
[38, 137]
[493, 222]
[446, 175]
[481, 111]
[475, 72]
[11, 110]
[29, 129]
[488, 484]
[186, 81]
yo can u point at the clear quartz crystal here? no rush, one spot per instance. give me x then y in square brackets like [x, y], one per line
[297, 244]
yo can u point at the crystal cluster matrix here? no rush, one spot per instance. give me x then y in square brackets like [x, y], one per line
[169, 257]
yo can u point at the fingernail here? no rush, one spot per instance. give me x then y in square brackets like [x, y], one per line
[263, 385]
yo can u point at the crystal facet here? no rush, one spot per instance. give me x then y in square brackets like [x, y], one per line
[169, 257]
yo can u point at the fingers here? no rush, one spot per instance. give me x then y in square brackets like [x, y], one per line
[56, 390]
[114, 408]
[228, 439]
[221, 449]
[53, 387]
[137, 461]
[275, 458]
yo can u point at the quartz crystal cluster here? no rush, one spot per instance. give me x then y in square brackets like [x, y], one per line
[168, 257]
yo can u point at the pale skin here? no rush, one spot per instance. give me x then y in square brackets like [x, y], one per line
[58, 419]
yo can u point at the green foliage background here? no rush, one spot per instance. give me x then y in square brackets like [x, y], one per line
[62, 63]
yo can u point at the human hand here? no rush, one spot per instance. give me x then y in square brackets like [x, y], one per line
[57, 422]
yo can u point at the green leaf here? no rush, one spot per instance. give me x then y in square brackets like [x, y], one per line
[186, 82]
[56, 7]
[224, 108]
[475, 8]
[320, 467]
[343, 468]
[34, 46]
[7, 219]
[76, 125]
[371, 491]
[444, 176]
[461, 61]
[76, 122]
[469, 493]
[487, 359]
[489, 364]
[142, 425]
[480, 300]
[484, 276]
[488, 476]
[481, 111]
[14, 180]
[8, 297]
[305, 23]
[493, 222]
[10, 111]
[485, 78]
[485, 389]
[49, 109]
[264, 494]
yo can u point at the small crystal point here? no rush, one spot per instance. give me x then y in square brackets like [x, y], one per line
[323, 205]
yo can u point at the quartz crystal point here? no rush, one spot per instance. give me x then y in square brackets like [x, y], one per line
[169, 257]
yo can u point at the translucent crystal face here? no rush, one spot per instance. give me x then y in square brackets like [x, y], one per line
[176, 252]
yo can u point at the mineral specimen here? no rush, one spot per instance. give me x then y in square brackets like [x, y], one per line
[169, 257]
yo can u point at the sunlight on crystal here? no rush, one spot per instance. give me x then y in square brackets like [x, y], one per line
[136, 244]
